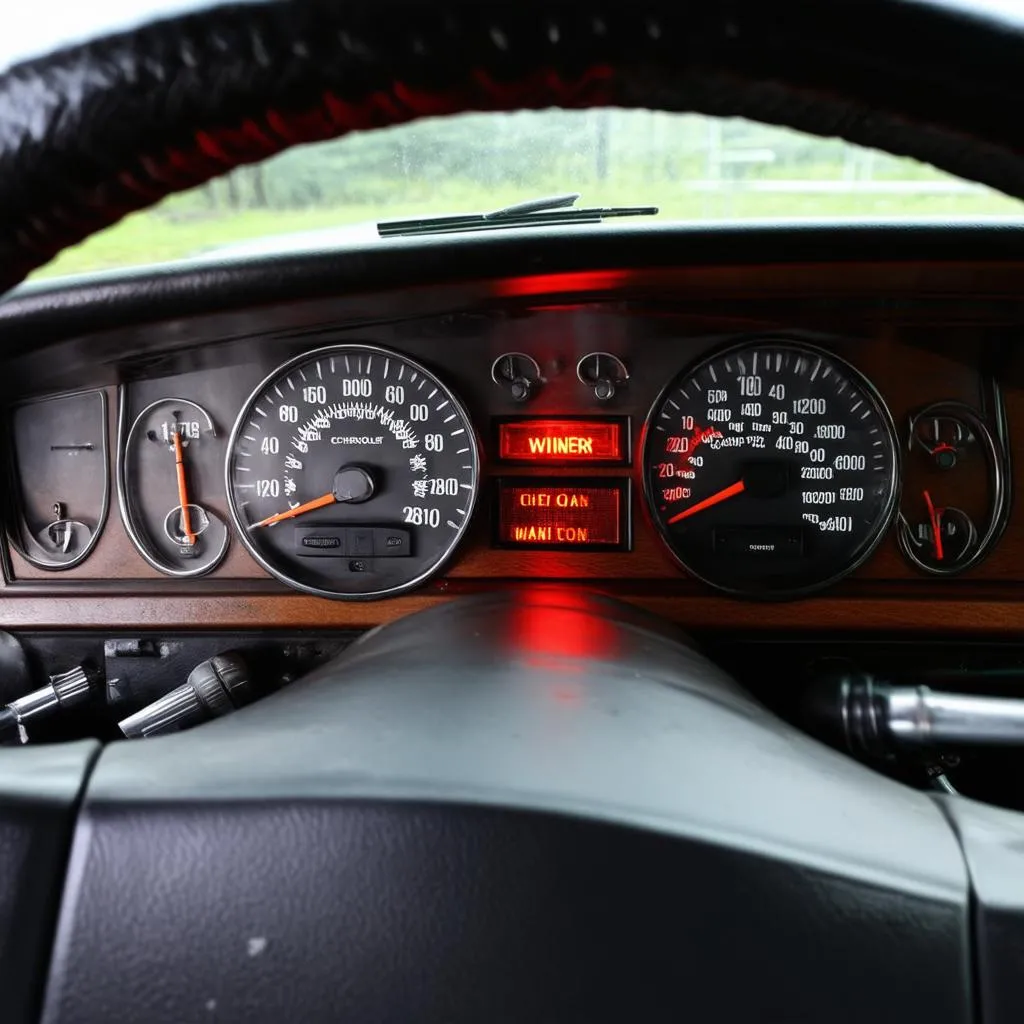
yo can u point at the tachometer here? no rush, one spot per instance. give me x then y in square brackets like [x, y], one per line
[771, 468]
[352, 472]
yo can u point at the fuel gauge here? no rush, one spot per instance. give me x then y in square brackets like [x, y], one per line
[954, 494]
[168, 468]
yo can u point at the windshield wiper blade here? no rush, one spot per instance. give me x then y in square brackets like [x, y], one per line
[547, 211]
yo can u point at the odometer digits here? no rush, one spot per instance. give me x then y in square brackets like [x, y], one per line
[771, 468]
[352, 472]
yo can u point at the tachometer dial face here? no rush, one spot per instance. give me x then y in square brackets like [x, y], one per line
[166, 476]
[352, 472]
[771, 469]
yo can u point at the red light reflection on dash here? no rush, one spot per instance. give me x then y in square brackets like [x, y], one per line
[552, 284]
[552, 634]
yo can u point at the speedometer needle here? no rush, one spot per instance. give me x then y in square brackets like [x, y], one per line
[186, 518]
[309, 506]
[723, 495]
[352, 484]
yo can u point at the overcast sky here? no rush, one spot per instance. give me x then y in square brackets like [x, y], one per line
[39, 26]
[34, 27]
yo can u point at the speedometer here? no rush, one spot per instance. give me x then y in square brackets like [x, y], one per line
[771, 468]
[352, 473]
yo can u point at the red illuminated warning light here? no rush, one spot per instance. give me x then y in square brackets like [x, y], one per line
[562, 441]
[560, 516]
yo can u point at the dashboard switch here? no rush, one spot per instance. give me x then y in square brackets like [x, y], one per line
[214, 688]
[64, 692]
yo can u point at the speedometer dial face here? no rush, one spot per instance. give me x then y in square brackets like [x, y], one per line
[771, 469]
[352, 473]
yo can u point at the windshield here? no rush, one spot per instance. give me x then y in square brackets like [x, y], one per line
[693, 168]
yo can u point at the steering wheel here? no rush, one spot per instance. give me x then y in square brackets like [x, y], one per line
[467, 818]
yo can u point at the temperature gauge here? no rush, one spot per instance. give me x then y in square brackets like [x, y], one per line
[954, 494]
[169, 466]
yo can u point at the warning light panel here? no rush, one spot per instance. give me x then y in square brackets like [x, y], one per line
[563, 441]
[580, 516]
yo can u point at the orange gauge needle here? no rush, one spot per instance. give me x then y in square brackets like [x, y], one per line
[723, 495]
[933, 516]
[186, 519]
[309, 506]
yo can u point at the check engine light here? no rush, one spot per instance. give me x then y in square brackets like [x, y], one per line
[562, 441]
[564, 517]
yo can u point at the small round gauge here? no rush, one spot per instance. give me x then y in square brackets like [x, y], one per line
[771, 468]
[518, 373]
[169, 467]
[352, 472]
[603, 373]
[954, 496]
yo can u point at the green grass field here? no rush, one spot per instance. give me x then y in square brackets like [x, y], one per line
[182, 229]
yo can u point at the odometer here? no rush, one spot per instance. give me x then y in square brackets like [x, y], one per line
[352, 472]
[771, 468]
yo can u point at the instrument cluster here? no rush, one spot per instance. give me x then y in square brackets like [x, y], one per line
[767, 467]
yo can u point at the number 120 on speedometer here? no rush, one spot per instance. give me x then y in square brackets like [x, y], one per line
[771, 469]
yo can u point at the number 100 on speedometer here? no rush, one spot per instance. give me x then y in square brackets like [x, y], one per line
[771, 469]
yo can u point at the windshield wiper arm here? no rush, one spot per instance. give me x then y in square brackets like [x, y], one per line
[546, 211]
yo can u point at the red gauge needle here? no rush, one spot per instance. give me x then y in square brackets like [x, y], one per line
[309, 506]
[186, 518]
[933, 516]
[723, 495]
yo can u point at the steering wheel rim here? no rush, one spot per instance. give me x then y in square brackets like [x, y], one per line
[97, 131]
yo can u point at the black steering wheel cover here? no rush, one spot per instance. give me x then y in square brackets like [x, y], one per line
[93, 132]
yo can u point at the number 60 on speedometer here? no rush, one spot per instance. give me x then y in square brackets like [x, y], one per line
[771, 469]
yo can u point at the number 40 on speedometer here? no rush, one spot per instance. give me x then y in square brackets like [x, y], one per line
[771, 468]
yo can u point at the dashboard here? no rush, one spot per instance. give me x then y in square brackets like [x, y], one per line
[820, 444]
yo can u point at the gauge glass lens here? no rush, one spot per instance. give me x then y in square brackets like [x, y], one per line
[169, 471]
[352, 473]
[771, 469]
